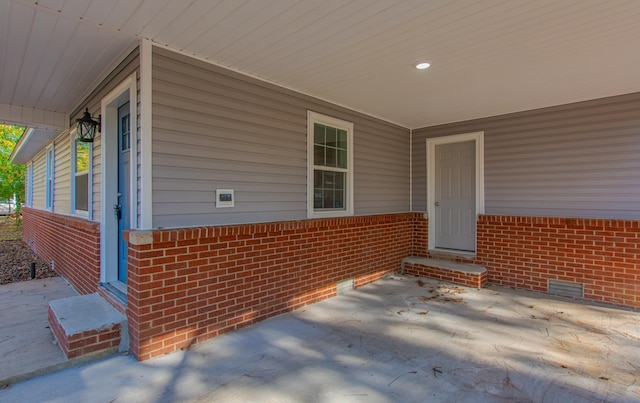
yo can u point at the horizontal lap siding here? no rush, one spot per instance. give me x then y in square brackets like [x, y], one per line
[130, 65]
[62, 180]
[39, 183]
[217, 129]
[578, 160]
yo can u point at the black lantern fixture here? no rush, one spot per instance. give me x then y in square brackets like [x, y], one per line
[87, 127]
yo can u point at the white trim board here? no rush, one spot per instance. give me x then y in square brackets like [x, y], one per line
[126, 91]
[145, 136]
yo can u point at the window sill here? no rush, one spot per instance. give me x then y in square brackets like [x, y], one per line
[329, 214]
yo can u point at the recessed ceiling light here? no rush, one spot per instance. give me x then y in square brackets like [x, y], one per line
[423, 65]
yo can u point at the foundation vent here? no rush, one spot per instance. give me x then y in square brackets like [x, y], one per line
[566, 288]
[345, 286]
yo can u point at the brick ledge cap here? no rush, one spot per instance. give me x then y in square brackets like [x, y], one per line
[140, 237]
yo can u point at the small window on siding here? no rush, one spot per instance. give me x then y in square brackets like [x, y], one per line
[81, 186]
[330, 166]
[49, 178]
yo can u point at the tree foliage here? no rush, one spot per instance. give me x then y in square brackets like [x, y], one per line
[11, 176]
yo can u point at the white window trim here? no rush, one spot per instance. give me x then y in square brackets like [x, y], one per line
[50, 177]
[89, 213]
[125, 92]
[312, 118]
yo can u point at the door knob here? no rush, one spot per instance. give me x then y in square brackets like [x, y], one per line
[117, 211]
[437, 204]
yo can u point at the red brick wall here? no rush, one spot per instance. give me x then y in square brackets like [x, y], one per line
[73, 244]
[189, 285]
[87, 341]
[526, 252]
[420, 244]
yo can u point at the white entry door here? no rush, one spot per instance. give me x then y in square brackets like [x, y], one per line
[455, 196]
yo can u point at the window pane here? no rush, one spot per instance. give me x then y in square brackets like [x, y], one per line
[125, 130]
[329, 190]
[329, 180]
[342, 139]
[82, 192]
[82, 156]
[318, 155]
[339, 176]
[317, 189]
[318, 133]
[331, 133]
[338, 199]
[331, 158]
[328, 199]
[342, 158]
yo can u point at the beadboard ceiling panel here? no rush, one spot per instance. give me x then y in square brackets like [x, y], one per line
[488, 57]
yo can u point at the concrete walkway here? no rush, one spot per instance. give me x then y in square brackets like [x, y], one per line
[400, 339]
[27, 346]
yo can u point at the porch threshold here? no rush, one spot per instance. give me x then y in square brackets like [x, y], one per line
[114, 295]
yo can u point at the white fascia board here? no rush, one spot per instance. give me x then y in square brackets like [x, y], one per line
[32, 142]
[35, 118]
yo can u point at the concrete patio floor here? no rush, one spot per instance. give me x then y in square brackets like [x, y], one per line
[402, 339]
[27, 345]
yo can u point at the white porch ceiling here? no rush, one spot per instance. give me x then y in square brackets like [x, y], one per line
[488, 57]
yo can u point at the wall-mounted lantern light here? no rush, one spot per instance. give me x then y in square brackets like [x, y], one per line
[87, 127]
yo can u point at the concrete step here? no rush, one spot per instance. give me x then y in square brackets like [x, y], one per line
[88, 325]
[470, 275]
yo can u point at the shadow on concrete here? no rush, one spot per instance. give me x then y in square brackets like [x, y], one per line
[399, 339]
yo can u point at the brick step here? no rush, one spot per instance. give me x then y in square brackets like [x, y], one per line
[467, 274]
[87, 324]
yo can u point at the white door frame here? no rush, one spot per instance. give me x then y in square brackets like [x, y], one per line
[478, 137]
[125, 91]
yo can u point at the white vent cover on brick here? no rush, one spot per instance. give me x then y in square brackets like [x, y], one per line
[566, 288]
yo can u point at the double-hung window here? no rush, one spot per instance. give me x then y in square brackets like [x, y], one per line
[330, 166]
[81, 181]
[49, 178]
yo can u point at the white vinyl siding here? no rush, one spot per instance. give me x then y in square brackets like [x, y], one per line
[62, 188]
[29, 195]
[129, 65]
[217, 129]
[575, 160]
[39, 180]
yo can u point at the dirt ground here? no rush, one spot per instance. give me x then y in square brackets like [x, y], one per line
[15, 256]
